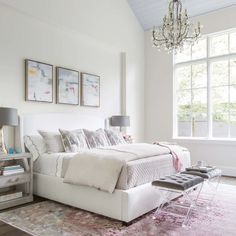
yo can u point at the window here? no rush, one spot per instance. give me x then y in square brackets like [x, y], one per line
[205, 88]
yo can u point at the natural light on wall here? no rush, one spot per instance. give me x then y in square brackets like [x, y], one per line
[205, 88]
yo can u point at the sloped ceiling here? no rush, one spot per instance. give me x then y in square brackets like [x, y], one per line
[151, 12]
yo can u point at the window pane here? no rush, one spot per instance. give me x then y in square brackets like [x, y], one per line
[199, 49]
[184, 109]
[233, 99]
[220, 127]
[185, 55]
[233, 42]
[233, 125]
[233, 71]
[220, 99]
[199, 113]
[200, 127]
[220, 111]
[219, 73]
[199, 75]
[219, 45]
[183, 77]
[184, 101]
[199, 98]
[184, 125]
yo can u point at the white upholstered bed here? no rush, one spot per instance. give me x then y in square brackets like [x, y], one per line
[131, 198]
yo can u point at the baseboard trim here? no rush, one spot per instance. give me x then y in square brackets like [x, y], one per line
[228, 171]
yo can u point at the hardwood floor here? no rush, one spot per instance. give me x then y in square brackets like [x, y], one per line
[8, 230]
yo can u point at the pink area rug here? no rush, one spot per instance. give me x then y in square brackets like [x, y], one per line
[53, 219]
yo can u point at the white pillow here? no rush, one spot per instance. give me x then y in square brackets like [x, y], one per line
[96, 138]
[36, 145]
[53, 141]
[74, 140]
[114, 137]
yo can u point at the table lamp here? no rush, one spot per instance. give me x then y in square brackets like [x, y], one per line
[8, 117]
[120, 121]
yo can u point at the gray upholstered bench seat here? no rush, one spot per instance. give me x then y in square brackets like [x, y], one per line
[209, 175]
[180, 182]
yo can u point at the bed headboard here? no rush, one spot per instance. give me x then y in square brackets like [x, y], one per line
[31, 123]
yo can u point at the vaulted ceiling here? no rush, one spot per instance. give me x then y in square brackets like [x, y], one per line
[151, 12]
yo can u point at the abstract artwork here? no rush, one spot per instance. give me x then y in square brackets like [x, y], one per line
[67, 86]
[90, 93]
[39, 81]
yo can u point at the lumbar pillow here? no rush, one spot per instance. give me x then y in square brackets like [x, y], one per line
[114, 137]
[96, 138]
[73, 141]
[53, 141]
[36, 145]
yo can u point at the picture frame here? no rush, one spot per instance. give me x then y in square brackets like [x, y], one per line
[90, 90]
[68, 86]
[38, 81]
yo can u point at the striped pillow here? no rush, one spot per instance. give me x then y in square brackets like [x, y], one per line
[73, 141]
[115, 138]
[53, 141]
[96, 138]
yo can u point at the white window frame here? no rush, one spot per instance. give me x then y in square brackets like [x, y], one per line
[208, 60]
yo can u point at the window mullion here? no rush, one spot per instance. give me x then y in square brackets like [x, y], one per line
[229, 98]
[209, 102]
[191, 88]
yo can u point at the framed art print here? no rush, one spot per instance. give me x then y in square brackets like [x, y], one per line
[90, 90]
[67, 86]
[38, 81]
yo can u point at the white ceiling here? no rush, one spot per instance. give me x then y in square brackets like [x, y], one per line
[151, 12]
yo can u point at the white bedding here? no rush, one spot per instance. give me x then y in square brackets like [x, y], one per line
[134, 173]
[100, 168]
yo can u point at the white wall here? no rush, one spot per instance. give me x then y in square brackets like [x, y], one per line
[159, 97]
[88, 36]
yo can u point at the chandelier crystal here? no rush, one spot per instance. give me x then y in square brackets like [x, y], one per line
[176, 29]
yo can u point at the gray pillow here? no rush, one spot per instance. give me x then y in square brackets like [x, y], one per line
[96, 138]
[74, 140]
[114, 137]
[53, 141]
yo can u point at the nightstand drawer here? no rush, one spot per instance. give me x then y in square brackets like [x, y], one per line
[6, 181]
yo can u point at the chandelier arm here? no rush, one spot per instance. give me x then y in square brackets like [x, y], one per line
[193, 37]
[181, 36]
[156, 39]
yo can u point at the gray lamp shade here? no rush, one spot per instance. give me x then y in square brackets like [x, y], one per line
[8, 116]
[121, 121]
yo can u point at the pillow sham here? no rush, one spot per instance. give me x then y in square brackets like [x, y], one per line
[36, 145]
[96, 138]
[114, 137]
[74, 140]
[53, 141]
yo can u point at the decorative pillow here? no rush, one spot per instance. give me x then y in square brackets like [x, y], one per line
[73, 141]
[36, 145]
[114, 137]
[96, 138]
[53, 141]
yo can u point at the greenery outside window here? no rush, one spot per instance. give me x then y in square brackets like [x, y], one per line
[205, 88]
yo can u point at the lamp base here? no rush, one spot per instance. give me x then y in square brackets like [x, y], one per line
[2, 143]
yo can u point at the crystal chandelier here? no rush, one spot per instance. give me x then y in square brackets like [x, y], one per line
[176, 29]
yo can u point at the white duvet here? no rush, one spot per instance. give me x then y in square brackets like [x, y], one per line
[100, 168]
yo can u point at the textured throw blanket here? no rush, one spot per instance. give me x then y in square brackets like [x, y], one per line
[176, 151]
[100, 168]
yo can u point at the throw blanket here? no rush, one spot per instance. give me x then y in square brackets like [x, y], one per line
[175, 151]
[100, 168]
